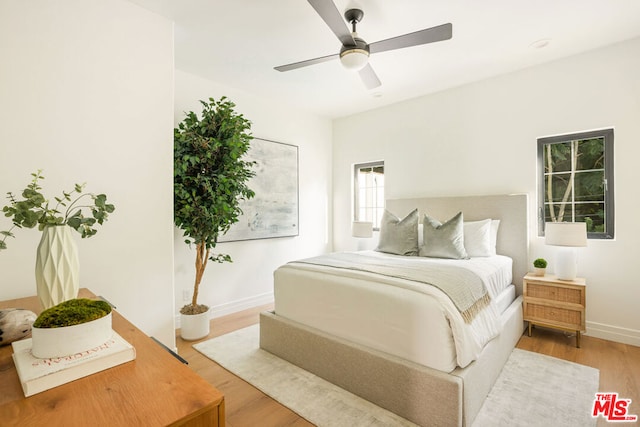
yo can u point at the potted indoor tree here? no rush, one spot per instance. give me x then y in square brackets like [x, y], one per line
[57, 265]
[209, 180]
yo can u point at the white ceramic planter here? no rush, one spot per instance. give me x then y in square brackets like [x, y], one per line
[61, 342]
[537, 271]
[194, 326]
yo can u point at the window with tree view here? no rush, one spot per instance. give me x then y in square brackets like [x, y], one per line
[576, 181]
[369, 192]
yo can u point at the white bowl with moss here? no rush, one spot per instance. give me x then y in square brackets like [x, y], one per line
[71, 327]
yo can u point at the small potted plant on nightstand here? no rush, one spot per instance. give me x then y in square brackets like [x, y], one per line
[539, 267]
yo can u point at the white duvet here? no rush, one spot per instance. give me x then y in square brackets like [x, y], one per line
[385, 314]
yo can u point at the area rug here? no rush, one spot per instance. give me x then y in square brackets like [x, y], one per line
[532, 390]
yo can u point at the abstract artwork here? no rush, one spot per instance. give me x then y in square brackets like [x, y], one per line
[273, 211]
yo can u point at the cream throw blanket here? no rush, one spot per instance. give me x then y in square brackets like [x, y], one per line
[465, 289]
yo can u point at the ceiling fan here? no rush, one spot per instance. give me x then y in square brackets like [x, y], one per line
[354, 54]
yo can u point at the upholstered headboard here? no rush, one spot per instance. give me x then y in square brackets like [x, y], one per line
[511, 210]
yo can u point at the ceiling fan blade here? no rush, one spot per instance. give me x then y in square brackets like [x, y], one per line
[369, 77]
[330, 15]
[296, 65]
[429, 35]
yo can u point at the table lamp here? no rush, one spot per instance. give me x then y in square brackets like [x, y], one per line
[361, 229]
[567, 236]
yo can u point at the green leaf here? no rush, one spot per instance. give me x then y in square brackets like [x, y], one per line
[100, 200]
[74, 223]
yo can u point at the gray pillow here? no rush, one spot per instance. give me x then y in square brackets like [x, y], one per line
[443, 240]
[399, 236]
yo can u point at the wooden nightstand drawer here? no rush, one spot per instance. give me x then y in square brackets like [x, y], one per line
[554, 315]
[553, 293]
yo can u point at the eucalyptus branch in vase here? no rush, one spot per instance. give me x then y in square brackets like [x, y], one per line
[33, 209]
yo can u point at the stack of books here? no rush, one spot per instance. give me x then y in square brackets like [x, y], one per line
[37, 375]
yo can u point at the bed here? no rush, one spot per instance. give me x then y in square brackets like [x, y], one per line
[418, 353]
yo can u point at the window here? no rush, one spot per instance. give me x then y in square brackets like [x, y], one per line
[576, 181]
[369, 192]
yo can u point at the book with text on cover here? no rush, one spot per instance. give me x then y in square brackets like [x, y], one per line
[37, 375]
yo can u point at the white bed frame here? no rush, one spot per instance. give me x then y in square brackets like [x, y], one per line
[422, 395]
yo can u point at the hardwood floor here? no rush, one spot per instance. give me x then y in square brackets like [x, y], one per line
[619, 366]
[244, 404]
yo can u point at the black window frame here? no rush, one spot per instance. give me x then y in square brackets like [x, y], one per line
[356, 199]
[608, 135]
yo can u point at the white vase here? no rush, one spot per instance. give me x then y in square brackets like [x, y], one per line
[194, 326]
[57, 266]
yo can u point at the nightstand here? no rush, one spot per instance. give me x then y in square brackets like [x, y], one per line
[555, 303]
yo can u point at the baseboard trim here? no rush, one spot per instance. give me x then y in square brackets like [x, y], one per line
[613, 333]
[239, 305]
[235, 306]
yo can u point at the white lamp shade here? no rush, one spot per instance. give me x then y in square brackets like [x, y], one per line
[572, 234]
[354, 59]
[362, 229]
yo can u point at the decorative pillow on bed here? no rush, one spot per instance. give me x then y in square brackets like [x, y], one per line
[477, 238]
[443, 240]
[493, 236]
[399, 236]
[495, 224]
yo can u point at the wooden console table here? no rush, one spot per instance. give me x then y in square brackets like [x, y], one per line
[155, 389]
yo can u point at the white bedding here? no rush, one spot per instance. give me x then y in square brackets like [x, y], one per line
[425, 328]
[505, 298]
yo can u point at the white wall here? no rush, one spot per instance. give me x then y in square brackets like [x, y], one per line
[86, 93]
[481, 139]
[248, 280]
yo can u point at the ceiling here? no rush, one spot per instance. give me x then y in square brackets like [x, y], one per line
[238, 42]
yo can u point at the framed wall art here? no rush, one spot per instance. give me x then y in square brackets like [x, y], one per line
[273, 211]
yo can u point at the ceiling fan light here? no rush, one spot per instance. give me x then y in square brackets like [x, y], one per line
[354, 59]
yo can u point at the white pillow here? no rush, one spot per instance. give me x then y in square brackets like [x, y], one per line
[495, 224]
[493, 235]
[477, 238]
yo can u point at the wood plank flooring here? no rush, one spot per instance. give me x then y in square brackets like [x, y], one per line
[619, 366]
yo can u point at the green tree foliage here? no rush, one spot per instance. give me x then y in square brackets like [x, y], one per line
[210, 179]
[575, 173]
